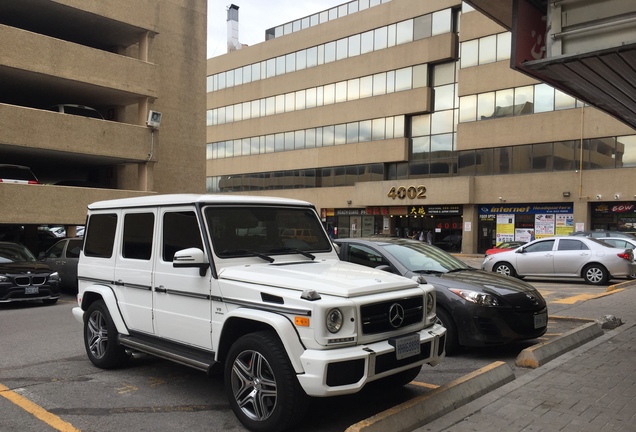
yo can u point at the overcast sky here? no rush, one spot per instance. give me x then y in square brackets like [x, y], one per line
[256, 16]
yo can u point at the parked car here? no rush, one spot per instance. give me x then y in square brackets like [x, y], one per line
[603, 233]
[581, 257]
[621, 243]
[504, 246]
[80, 110]
[477, 308]
[209, 282]
[17, 174]
[23, 278]
[63, 257]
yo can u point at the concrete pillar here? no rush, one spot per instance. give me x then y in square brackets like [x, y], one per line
[470, 219]
[144, 43]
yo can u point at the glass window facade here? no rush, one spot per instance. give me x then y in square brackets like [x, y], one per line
[344, 91]
[378, 39]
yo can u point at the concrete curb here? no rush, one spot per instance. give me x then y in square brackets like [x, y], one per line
[542, 353]
[423, 409]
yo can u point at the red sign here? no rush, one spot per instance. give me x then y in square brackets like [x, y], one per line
[528, 33]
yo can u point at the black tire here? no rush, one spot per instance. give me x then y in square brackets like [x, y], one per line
[452, 338]
[505, 269]
[261, 384]
[595, 274]
[49, 301]
[100, 338]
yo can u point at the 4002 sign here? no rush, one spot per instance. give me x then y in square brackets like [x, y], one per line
[404, 192]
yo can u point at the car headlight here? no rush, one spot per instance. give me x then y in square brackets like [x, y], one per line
[334, 320]
[55, 276]
[476, 297]
[4, 279]
[430, 303]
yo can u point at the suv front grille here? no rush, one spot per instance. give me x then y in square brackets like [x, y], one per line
[391, 315]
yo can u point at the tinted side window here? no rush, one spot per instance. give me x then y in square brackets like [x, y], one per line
[572, 245]
[180, 231]
[138, 233]
[543, 246]
[365, 256]
[55, 251]
[100, 235]
[73, 249]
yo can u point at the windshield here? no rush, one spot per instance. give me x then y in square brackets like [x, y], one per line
[422, 258]
[256, 231]
[15, 253]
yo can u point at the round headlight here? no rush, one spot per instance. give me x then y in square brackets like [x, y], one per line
[430, 303]
[334, 320]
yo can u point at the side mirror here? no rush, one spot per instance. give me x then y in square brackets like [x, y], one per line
[192, 257]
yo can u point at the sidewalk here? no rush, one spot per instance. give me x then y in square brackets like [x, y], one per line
[590, 389]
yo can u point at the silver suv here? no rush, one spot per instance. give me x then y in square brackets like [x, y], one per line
[210, 282]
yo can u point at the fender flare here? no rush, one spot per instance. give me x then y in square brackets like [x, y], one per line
[105, 293]
[279, 323]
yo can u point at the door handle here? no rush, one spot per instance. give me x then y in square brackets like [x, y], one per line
[161, 289]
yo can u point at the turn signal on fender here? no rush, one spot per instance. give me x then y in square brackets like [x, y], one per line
[301, 321]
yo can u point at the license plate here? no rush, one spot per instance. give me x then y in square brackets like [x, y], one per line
[31, 290]
[540, 320]
[406, 346]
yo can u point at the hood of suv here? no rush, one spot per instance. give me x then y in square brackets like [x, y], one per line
[330, 277]
[24, 267]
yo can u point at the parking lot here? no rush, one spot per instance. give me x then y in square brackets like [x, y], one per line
[44, 363]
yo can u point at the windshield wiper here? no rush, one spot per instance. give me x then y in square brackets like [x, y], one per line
[290, 249]
[428, 271]
[249, 252]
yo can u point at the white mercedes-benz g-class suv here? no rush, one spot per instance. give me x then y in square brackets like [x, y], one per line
[211, 282]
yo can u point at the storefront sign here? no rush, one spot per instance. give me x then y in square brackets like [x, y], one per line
[615, 208]
[527, 209]
[435, 210]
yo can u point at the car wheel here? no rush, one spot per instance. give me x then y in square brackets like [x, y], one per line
[49, 301]
[505, 269]
[261, 383]
[452, 339]
[595, 274]
[100, 338]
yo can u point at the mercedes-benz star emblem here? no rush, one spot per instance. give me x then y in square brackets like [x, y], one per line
[396, 315]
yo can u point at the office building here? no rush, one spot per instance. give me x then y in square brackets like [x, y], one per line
[400, 116]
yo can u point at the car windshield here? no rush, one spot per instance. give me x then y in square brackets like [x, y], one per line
[265, 231]
[15, 253]
[422, 258]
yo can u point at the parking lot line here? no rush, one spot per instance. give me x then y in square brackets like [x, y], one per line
[584, 297]
[36, 410]
[421, 384]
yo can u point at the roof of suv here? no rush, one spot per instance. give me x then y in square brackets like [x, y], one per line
[176, 199]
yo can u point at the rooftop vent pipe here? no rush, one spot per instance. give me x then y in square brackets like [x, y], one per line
[233, 43]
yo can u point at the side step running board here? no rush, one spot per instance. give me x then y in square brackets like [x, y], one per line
[196, 360]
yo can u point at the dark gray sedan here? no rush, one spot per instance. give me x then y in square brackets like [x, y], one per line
[63, 257]
[477, 308]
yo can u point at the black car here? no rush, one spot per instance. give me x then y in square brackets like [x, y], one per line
[24, 278]
[477, 308]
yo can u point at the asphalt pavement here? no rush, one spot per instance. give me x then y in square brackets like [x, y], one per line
[583, 381]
